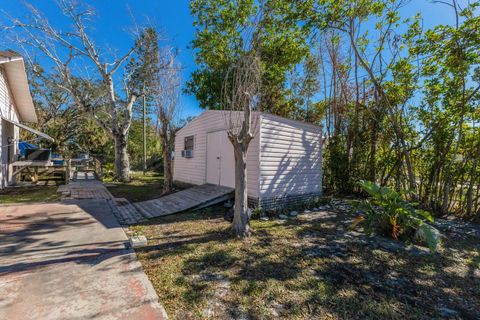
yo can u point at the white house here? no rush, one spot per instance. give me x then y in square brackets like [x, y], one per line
[15, 105]
[284, 160]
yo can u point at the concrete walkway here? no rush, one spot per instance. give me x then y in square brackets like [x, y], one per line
[69, 261]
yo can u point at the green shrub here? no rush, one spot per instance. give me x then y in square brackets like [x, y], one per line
[108, 171]
[389, 214]
[256, 213]
[322, 201]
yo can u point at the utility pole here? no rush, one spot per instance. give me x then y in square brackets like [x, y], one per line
[144, 136]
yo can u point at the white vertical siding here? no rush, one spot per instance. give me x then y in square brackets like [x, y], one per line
[193, 170]
[290, 157]
[8, 111]
[7, 104]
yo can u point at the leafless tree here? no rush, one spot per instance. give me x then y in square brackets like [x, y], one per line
[386, 39]
[69, 50]
[166, 92]
[240, 99]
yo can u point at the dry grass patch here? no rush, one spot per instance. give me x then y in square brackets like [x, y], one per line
[310, 268]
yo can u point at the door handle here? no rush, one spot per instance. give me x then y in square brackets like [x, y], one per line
[218, 158]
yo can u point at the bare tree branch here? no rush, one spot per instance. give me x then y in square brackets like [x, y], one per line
[113, 112]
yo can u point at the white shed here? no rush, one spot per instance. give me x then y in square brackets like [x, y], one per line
[284, 161]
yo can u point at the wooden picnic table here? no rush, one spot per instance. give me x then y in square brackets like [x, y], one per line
[34, 168]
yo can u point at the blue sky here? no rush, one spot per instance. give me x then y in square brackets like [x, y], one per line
[114, 19]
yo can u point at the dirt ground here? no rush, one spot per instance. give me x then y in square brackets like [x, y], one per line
[311, 267]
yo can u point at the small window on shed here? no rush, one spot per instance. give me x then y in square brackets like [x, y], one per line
[189, 143]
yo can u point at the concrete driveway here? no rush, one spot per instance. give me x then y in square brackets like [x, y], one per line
[69, 261]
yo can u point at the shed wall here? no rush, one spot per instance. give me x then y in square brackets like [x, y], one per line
[290, 161]
[193, 170]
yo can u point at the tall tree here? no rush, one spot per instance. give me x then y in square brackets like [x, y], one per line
[415, 104]
[167, 92]
[144, 77]
[73, 48]
[282, 43]
[240, 97]
[310, 82]
[452, 93]
[157, 73]
[375, 52]
[61, 119]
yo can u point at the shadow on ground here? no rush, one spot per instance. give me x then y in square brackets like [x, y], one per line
[312, 267]
[37, 235]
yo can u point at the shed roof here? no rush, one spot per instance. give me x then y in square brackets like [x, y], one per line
[291, 121]
[17, 79]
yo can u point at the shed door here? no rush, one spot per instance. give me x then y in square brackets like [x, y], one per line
[220, 159]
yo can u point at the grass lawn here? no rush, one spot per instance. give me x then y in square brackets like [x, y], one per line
[140, 188]
[29, 194]
[314, 267]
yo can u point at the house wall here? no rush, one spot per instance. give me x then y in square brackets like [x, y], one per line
[8, 110]
[290, 161]
[194, 170]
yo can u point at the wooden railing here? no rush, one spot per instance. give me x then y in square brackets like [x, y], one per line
[90, 164]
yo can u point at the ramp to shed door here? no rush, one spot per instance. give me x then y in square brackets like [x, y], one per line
[192, 198]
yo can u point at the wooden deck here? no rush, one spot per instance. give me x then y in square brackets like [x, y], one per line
[192, 198]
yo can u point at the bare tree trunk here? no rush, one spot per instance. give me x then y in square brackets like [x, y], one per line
[167, 163]
[448, 174]
[167, 175]
[472, 180]
[240, 226]
[122, 163]
[372, 167]
[476, 201]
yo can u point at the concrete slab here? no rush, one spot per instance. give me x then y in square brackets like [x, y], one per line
[138, 241]
[69, 261]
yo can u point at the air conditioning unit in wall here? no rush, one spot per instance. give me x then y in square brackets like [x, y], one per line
[187, 153]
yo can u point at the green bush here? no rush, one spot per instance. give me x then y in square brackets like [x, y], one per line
[389, 214]
[108, 171]
[256, 213]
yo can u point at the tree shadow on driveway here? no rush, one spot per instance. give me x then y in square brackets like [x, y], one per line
[38, 235]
